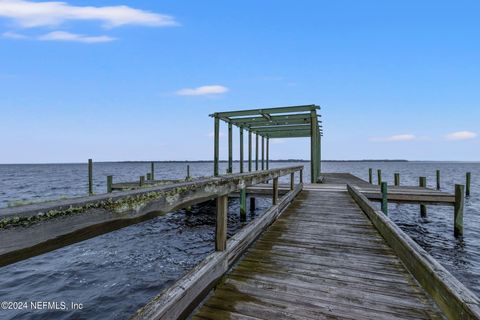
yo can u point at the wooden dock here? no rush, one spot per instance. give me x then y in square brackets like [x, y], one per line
[321, 259]
[328, 254]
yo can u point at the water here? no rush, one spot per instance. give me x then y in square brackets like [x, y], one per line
[115, 274]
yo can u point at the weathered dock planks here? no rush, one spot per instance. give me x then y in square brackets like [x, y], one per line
[321, 259]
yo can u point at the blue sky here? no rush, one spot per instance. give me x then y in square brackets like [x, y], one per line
[80, 79]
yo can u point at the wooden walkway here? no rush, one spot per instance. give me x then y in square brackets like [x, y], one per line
[322, 259]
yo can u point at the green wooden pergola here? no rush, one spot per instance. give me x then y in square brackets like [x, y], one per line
[266, 124]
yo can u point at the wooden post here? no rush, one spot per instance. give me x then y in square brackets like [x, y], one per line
[243, 204]
[384, 189]
[241, 150]
[459, 206]
[438, 179]
[252, 203]
[230, 149]
[467, 187]
[221, 225]
[149, 176]
[268, 154]
[256, 151]
[90, 176]
[188, 171]
[263, 153]
[370, 175]
[275, 191]
[301, 176]
[422, 181]
[249, 151]
[142, 181]
[379, 177]
[152, 171]
[397, 179]
[109, 184]
[216, 146]
[292, 180]
[313, 147]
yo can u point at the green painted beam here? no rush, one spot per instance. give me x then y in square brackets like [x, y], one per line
[268, 152]
[230, 149]
[216, 148]
[241, 150]
[253, 112]
[280, 128]
[258, 119]
[249, 151]
[256, 151]
[297, 134]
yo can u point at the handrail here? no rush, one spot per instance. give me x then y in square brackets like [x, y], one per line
[108, 212]
[180, 299]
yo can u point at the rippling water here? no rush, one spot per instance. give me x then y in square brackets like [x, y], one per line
[115, 274]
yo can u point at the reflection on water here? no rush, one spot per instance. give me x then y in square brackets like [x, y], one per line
[115, 274]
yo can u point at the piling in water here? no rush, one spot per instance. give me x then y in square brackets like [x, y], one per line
[467, 187]
[438, 180]
[252, 203]
[149, 176]
[109, 184]
[397, 179]
[458, 213]
[188, 171]
[221, 225]
[379, 177]
[90, 176]
[422, 182]
[370, 175]
[384, 190]
[243, 203]
[152, 171]
[275, 191]
[141, 181]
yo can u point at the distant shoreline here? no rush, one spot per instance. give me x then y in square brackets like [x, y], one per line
[236, 161]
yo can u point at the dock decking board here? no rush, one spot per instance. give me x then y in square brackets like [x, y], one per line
[322, 259]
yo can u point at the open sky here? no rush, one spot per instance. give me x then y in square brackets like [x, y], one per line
[136, 80]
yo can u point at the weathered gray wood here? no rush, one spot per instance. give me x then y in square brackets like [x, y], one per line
[292, 181]
[370, 175]
[221, 225]
[275, 191]
[384, 198]
[290, 273]
[379, 177]
[453, 298]
[90, 176]
[111, 211]
[458, 211]
[180, 299]
[141, 181]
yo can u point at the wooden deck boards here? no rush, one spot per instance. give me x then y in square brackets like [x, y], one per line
[322, 259]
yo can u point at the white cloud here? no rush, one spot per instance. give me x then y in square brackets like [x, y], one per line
[13, 35]
[461, 135]
[398, 137]
[67, 36]
[29, 14]
[204, 90]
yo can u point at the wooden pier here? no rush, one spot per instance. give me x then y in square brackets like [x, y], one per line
[320, 251]
[329, 255]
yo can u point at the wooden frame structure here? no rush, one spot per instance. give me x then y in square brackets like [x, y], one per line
[270, 123]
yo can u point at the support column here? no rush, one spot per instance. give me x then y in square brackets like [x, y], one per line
[241, 150]
[292, 180]
[230, 149]
[221, 225]
[275, 191]
[370, 175]
[249, 151]
[109, 184]
[216, 146]
[90, 176]
[313, 146]
[263, 153]
[268, 155]
[422, 182]
[458, 214]
[396, 179]
[384, 190]
[256, 151]
[243, 204]
[152, 170]
[318, 153]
